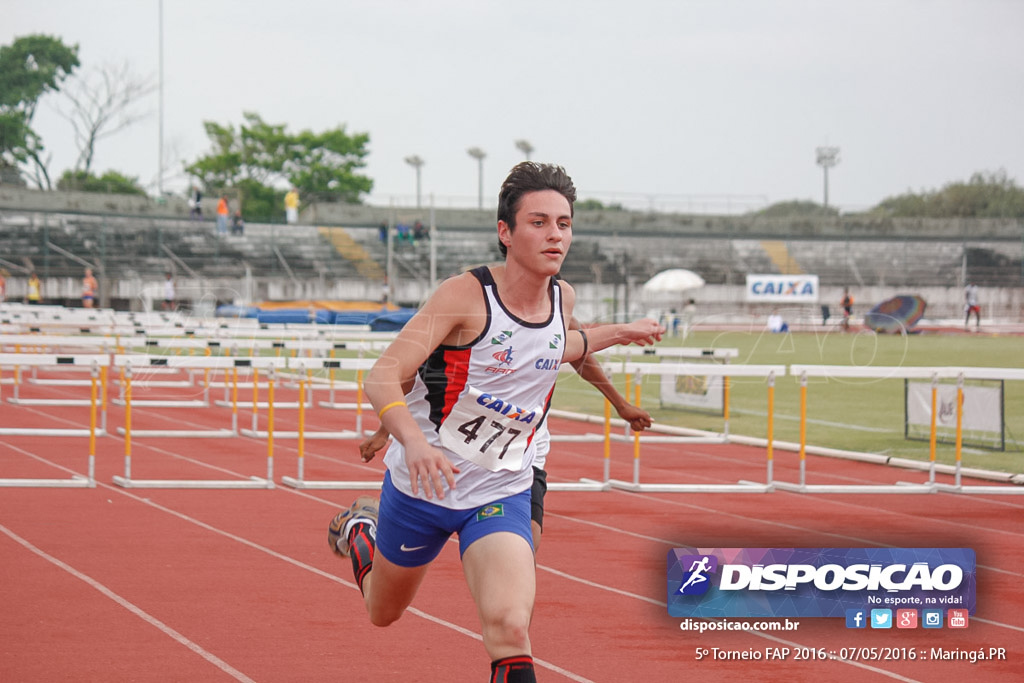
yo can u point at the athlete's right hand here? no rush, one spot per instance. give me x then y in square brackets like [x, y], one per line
[428, 465]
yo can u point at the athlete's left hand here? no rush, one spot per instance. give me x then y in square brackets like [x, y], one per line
[643, 332]
[375, 442]
[638, 418]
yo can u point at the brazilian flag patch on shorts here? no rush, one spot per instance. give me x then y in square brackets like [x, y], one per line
[494, 510]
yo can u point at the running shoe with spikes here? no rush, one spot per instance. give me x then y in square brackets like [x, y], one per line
[364, 510]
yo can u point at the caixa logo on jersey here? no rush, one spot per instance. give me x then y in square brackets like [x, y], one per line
[817, 582]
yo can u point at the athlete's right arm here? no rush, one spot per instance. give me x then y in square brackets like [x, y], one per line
[448, 316]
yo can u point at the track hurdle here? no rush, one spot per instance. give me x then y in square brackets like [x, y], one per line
[253, 482]
[890, 372]
[685, 436]
[303, 367]
[95, 362]
[37, 360]
[308, 364]
[127, 363]
[65, 345]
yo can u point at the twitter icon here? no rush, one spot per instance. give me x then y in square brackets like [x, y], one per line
[881, 618]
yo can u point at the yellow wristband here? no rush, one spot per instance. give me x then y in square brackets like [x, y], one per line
[389, 407]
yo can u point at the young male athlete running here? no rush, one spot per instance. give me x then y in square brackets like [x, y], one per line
[482, 355]
[590, 370]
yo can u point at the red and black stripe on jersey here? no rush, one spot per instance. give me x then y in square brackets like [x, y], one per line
[444, 374]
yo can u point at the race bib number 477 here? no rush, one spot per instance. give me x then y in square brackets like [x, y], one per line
[489, 431]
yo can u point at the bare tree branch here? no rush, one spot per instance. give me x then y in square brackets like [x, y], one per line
[100, 103]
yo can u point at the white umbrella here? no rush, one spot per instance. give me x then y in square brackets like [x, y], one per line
[674, 281]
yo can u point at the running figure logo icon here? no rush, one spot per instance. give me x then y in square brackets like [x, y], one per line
[504, 356]
[696, 580]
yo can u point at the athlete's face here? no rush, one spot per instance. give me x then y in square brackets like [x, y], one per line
[543, 231]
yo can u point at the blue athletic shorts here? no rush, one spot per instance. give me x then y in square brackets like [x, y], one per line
[411, 532]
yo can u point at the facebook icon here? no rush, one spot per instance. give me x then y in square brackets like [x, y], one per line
[856, 618]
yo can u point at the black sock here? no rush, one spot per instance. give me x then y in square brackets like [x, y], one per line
[517, 669]
[361, 547]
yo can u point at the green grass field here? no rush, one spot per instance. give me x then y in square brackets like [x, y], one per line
[861, 415]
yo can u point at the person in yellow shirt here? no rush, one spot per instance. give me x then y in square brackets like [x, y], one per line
[291, 206]
[35, 289]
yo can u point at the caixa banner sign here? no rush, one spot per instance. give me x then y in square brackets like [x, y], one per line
[782, 288]
[817, 582]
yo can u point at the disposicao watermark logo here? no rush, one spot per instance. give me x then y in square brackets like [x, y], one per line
[818, 582]
[696, 580]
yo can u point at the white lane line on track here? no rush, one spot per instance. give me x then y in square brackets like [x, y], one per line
[553, 571]
[319, 572]
[758, 520]
[131, 607]
[459, 629]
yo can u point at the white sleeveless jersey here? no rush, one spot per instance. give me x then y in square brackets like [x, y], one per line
[481, 403]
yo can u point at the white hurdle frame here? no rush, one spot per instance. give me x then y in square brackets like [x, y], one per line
[901, 372]
[306, 365]
[638, 370]
[94, 362]
[127, 361]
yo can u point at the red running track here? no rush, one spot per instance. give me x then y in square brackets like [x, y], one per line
[109, 584]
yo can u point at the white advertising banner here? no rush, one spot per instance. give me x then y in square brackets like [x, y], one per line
[982, 416]
[801, 289]
[699, 392]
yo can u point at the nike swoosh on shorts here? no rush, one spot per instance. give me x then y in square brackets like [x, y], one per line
[409, 550]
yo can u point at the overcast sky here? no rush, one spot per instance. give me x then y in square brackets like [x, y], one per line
[680, 104]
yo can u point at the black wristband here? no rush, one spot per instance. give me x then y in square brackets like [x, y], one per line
[586, 343]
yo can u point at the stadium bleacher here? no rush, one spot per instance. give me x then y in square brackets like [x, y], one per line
[274, 261]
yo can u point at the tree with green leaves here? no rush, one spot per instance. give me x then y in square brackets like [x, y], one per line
[796, 208]
[110, 182]
[29, 68]
[261, 160]
[985, 195]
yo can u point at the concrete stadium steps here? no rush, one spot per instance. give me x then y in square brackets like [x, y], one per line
[295, 260]
[781, 257]
[353, 251]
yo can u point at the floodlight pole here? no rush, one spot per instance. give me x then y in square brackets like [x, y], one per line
[416, 162]
[479, 155]
[827, 157]
[160, 151]
[525, 147]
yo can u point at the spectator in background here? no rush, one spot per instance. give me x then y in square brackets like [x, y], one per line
[237, 224]
[168, 304]
[382, 231]
[222, 214]
[971, 306]
[291, 206]
[195, 204]
[3, 285]
[776, 323]
[89, 287]
[35, 290]
[689, 315]
[847, 304]
[419, 231]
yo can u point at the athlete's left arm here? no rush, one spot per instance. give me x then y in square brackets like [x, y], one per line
[578, 343]
[589, 369]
